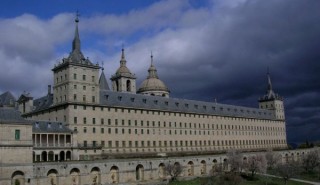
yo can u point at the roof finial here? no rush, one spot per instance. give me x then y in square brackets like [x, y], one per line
[102, 64]
[76, 40]
[77, 17]
[122, 52]
[151, 58]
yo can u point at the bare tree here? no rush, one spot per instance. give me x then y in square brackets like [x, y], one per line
[310, 161]
[288, 170]
[174, 170]
[235, 160]
[272, 159]
[257, 164]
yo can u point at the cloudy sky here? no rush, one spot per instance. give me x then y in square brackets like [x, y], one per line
[203, 50]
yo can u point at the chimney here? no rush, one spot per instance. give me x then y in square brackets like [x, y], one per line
[49, 89]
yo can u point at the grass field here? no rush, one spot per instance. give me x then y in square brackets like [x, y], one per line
[309, 176]
[260, 181]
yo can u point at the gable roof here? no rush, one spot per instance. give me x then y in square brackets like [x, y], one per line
[7, 99]
[11, 116]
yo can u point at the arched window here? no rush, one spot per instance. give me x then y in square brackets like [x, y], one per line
[128, 86]
[117, 86]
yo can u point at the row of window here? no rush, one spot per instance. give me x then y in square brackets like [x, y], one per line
[185, 143]
[176, 132]
[115, 122]
[84, 98]
[176, 114]
[75, 76]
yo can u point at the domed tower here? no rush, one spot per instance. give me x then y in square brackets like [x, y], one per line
[272, 101]
[123, 80]
[153, 86]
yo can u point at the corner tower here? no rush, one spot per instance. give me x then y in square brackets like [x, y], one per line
[272, 101]
[123, 80]
[76, 77]
[153, 86]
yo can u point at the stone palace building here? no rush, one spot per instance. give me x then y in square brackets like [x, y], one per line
[81, 120]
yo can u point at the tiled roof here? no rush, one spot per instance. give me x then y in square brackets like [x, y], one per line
[117, 99]
[11, 115]
[43, 102]
[138, 101]
[7, 99]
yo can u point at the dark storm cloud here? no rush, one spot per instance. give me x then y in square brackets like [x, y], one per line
[221, 51]
[241, 42]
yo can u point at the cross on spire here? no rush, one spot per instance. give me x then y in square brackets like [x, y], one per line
[77, 16]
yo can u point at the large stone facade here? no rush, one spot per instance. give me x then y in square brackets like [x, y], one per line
[120, 123]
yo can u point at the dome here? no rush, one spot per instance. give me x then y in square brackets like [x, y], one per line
[123, 70]
[152, 84]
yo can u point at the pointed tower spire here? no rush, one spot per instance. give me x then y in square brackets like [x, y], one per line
[152, 69]
[123, 58]
[151, 59]
[76, 41]
[103, 83]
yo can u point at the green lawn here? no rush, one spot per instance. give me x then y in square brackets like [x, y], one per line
[261, 181]
[309, 176]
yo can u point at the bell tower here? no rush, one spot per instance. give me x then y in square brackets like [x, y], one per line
[272, 101]
[123, 80]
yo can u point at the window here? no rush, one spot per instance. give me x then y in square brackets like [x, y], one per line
[84, 77]
[93, 120]
[74, 86]
[75, 120]
[84, 88]
[74, 76]
[93, 130]
[17, 135]
[84, 129]
[92, 77]
[84, 120]
[102, 130]
[102, 121]
[84, 98]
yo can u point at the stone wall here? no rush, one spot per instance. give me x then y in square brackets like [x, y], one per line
[118, 171]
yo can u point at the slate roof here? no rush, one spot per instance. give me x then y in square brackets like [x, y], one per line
[11, 115]
[138, 101]
[43, 102]
[49, 127]
[110, 98]
[270, 94]
[103, 84]
[7, 99]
